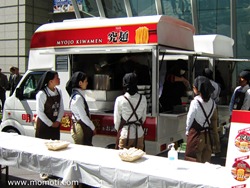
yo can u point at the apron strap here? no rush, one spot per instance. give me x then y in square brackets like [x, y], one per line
[209, 124]
[137, 119]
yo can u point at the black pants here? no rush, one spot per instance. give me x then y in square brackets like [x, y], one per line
[2, 98]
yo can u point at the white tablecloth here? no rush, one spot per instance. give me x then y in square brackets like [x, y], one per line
[102, 167]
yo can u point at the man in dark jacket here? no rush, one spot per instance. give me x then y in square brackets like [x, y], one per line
[15, 80]
[3, 87]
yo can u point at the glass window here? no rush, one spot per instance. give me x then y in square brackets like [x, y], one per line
[29, 85]
[89, 7]
[62, 63]
[213, 17]
[114, 8]
[180, 9]
[143, 8]
[243, 30]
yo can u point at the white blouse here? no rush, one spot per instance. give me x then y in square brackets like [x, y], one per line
[195, 112]
[77, 107]
[123, 110]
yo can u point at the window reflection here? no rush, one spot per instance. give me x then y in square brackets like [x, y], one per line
[213, 17]
[243, 29]
[143, 8]
[90, 9]
[180, 9]
[114, 8]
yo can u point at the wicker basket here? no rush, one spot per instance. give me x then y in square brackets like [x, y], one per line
[131, 154]
[57, 145]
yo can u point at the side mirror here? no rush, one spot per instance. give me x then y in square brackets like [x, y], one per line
[19, 93]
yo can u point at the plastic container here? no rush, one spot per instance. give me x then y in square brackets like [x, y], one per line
[172, 156]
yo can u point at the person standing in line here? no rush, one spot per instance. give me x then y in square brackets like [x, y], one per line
[240, 99]
[198, 124]
[3, 87]
[214, 119]
[83, 130]
[129, 115]
[15, 80]
[49, 108]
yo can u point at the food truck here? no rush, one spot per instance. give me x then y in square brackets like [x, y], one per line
[105, 49]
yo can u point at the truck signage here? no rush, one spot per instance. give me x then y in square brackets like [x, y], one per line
[133, 34]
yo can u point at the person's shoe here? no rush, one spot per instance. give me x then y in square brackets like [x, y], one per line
[218, 154]
[44, 176]
[54, 177]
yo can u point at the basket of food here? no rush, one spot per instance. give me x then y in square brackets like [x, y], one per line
[56, 144]
[131, 154]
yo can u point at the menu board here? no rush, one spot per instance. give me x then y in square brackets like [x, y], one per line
[65, 6]
[238, 152]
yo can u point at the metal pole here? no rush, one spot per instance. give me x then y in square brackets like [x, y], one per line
[233, 36]
[76, 8]
[100, 8]
[158, 7]
[233, 23]
[194, 15]
[128, 8]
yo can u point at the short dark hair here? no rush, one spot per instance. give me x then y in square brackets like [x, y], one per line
[207, 72]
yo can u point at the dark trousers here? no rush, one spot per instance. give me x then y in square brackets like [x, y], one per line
[2, 98]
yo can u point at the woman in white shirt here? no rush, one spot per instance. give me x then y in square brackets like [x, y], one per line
[49, 106]
[129, 115]
[198, 124]
[83, 130]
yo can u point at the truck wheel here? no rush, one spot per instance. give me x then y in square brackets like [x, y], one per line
[11, 130]
[110, 146]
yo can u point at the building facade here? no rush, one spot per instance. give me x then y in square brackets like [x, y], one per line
[19, 20]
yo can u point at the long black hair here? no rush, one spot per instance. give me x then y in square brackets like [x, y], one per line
[204, 87]
[130, 83]
[44, 80]
[74, 81]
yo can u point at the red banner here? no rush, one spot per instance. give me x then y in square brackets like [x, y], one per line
[240, 116]
[113, 35]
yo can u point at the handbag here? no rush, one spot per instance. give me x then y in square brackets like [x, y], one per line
[77, 133]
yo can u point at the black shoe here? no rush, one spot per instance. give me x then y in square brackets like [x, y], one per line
[54, 177]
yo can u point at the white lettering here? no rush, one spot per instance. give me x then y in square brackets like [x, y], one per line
[65, 42]
[89, 41]
[78, 42]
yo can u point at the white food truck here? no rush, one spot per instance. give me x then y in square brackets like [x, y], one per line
[106, 49]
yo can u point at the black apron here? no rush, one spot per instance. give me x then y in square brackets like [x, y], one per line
[137, 122]
[51, 109]
[194, 134]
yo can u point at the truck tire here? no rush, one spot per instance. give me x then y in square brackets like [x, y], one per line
[11, 130]
[110, 146]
